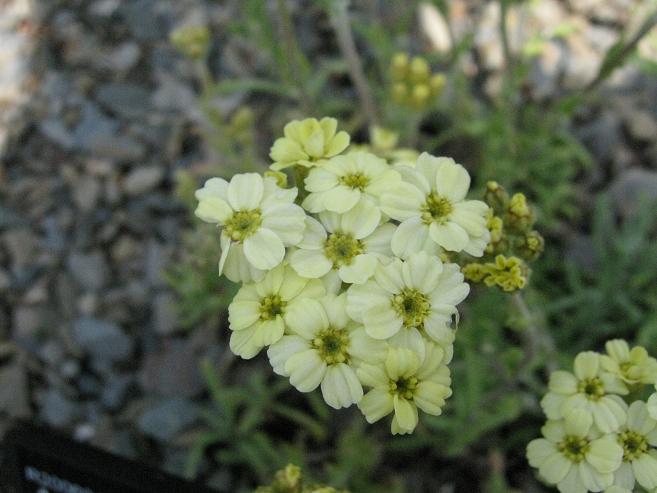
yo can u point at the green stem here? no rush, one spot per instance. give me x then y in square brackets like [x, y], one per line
[294, 54]
[340, 19]
[506, 46]
[300, 173]
[618, 58]
[537, 338]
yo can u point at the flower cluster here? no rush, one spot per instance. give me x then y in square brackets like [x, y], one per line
[513, 242]
[343, 284]
[600, 434]
[413, 84]
[193, 41]
[291, 480]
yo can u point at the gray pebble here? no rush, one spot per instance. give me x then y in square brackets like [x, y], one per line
[102, 340]
[164, 420]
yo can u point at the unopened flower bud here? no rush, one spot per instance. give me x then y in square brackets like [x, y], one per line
[519, 216]
[400, 92]
[419, 70]
[437, 84]
[193, 41]
[530, 246]
[399, 66]
[420, 96]
[496, 197]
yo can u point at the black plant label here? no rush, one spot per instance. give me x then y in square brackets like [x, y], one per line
[38, 460]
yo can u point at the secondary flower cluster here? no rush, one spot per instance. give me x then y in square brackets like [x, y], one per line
[291, 480]
[342, 279]
[600, 434]
[413, 84]
[513, 242]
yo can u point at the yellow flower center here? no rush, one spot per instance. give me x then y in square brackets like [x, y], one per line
[634, 445]
[271, 306]
[404, 387]
[243, 224]
[574, 448]
[332, 345]
[413, 306]
[342, 248]
[592, 388]
[436, 209]
[355, 180]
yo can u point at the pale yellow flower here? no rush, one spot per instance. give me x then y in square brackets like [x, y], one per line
[430, 203]
[574, 456]
[591, 389]
[260, 312]
[259, 221]
[324, 347]
[404, 383]
[353, 246]
[416, 297]
[341, 182]
[638, 437]
[308, 142]
[633, 366]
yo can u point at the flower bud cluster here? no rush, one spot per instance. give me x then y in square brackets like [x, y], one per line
[290, 480]
[513, 241]
[193, 41]
[601, 434]
[413, 84]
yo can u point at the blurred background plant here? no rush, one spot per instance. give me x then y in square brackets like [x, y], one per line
[398, 92]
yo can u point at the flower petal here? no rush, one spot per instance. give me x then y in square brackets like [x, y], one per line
[360, 297]
[341, 199]
[264, 249]
[402, 202]
[237, 268]
[410, 237]
[422, 272]
[314, 235]
[311, 264]
[406, 413]
[381, 321]
[645, 471]
[401, 363]
[337, 144]
[592, 479]
[605, 455]
[213, 210]
[587, 365]
[563, 382]
[243, 314]
[340, 387]
[360, 270]
[365, 348]
[286, 220]
[452, 180]
[430, 397]
[379, 241]
[361, 220]
[307, 318]
[280, 352]
[554, 468]
[450, 236]
[320, 180]
[539, 450]
[306, 370]
[245, 191]
[389, 277]
[376, 404]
